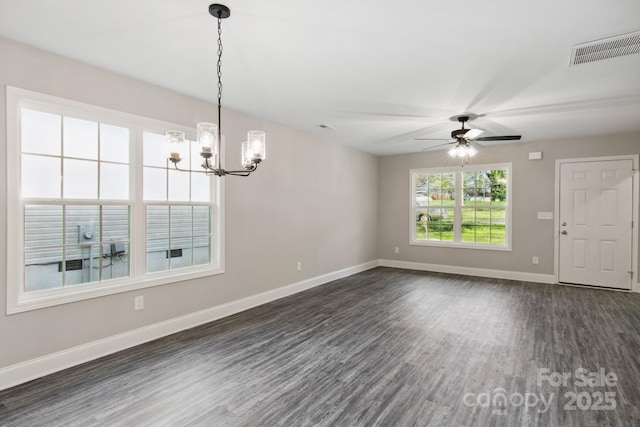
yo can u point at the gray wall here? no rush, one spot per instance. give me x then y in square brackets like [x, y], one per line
[533, 190]
[290, 210]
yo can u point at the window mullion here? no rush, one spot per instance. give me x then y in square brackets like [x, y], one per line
[457, 207]
[138, 225]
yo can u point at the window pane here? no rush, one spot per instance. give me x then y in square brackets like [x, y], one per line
[115, 260]
[422, 191]
[482, 179]
[40, 132]
[422, 186]
[114, 181]
[157, 255]
[447, 186]
[80, 138]
[201, 221]
[114, 143]
[468, 216]
[155, 150]
[157, 222]
[498, 215]
[42, 226]
[40, 176]
[201, 250]
[181, 221]
[498, 187]
[468, 233]
[483, 233]
[80, 179]
[200, 187]
[178, 186]
[42, 269]
[469, 179]
[498, 224]
[434, 181]
[154, 184]
[115, 223]
[483, 220]
[468, 227]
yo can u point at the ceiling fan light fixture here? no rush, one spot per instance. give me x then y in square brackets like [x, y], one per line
[463, 151]
[463, 138]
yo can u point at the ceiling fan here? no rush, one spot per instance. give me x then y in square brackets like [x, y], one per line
[465, 139]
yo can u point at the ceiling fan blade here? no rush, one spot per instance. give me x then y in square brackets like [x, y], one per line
[473, 133]
[390, 116]
[402, 138]
[436, 146]
[499, 138]
[433, 139]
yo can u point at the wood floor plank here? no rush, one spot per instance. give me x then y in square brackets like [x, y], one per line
[385, 347]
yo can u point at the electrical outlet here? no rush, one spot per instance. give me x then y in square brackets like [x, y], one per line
[299, 266]
[535, 260]
[397, 250]
[138, 303]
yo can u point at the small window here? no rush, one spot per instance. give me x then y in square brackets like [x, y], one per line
[467, 207]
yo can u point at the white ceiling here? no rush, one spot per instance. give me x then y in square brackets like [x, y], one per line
[380, 73]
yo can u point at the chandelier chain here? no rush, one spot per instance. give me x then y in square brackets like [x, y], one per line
[219, 60]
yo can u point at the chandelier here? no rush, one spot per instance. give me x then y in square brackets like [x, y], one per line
[209, 135]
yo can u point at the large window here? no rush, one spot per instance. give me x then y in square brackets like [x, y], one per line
[93, 207]
[465, 207]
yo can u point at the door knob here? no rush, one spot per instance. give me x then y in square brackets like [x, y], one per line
[564, 232]
[564, 223]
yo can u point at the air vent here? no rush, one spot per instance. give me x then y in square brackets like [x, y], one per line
[611, 47]
[70, 265]
[174, 253]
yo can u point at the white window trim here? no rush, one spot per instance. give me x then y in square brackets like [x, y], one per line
[458, 207]
[20, 301]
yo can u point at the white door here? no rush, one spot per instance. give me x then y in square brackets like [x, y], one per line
[596, 223]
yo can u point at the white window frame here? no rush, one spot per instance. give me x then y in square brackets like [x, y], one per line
[17, 299]
[457, 220]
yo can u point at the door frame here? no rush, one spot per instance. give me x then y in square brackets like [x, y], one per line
[635, 284]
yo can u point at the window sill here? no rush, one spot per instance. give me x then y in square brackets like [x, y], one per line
[37, 300]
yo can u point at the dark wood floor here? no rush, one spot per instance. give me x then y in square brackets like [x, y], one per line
[385, 347]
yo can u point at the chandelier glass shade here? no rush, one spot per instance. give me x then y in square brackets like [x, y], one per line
[209, 135]
[463, 150]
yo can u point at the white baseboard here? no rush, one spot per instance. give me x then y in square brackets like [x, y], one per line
[468, 271]
[45, 365]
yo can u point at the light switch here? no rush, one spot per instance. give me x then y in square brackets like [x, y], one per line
[545, 215]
